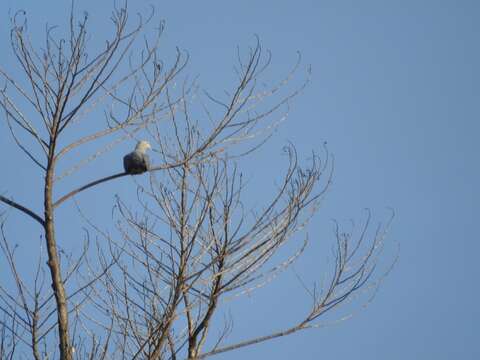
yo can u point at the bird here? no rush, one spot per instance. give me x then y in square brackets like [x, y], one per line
[137, 162]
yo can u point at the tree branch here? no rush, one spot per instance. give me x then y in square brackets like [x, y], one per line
[111, 177]
[85, 187]
[257, 340]
[22, 209]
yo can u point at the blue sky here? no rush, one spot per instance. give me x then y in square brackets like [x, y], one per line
[395, 91]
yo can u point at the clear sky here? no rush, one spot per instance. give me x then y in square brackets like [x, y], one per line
[395, 92]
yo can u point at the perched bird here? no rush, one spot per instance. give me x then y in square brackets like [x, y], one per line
[137, 162]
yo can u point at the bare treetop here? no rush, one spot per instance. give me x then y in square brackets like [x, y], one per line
[150, 289]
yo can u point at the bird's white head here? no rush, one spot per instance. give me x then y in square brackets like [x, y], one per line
[142, 146]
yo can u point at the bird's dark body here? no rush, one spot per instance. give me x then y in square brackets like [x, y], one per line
[136, 163]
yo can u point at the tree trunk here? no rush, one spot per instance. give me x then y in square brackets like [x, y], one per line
[54, 262]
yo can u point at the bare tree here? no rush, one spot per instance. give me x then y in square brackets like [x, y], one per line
[190, 242]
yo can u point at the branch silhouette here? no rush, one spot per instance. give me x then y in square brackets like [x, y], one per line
[22, 209]
[86, 186]
[112, 177]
